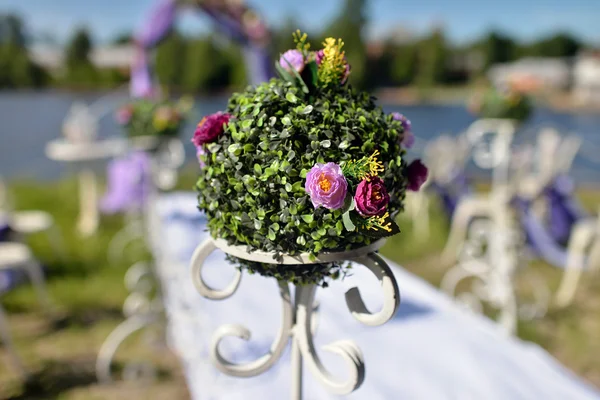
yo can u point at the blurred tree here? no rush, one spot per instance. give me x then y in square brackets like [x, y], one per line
[16, 68]
[558, 45]
[79, 69]
[497, 48]
[432, 57]
[170, 60]
[122, 38]
[349, 26]
[404, 64]
[207, 67]
[12, 31]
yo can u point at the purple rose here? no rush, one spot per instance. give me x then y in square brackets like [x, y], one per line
[209, 128]
[416, 173]
[295, 58]
[319, 58]
[326, 186]
[124, 114]
[371, 197]
[408, 139]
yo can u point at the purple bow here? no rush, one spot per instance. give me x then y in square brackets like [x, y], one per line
[128, 183]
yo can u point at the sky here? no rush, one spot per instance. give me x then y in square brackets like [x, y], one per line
[463, 20]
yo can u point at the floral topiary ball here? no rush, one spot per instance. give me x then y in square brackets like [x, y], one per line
[304, 164]
[506, 103]
[146, 117]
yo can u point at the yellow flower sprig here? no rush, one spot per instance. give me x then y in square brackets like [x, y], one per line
[333, 64]
[301, 41]
[363, 168]
[379, 222]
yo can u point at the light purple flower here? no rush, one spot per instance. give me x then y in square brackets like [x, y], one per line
[319, 58]
[416, 173]
[408, 139]
[200, 152]
[295, 58]
[326, 186]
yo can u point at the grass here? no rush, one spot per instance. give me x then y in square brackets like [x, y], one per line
[59, 349]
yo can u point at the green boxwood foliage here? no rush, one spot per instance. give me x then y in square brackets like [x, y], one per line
[252, 187]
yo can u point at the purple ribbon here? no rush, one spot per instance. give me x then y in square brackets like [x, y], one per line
[128, 183]
[158, 26]
[564, 209]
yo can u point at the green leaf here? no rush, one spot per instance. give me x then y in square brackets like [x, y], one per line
[349, 203]
[270, 171]
[258, 169]
[344, 145]
[285, 75]
[308, 218]
[326, 143]
[307, 110]
[286, 121]
[348, 224]
[299, 81]
[272, 235]
[291, 97]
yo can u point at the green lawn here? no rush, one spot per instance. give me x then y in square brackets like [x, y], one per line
[60, 348]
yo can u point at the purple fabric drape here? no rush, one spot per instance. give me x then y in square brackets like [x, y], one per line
[259, 66]
[157, 28]
[451, 193]
[564, 211]
[538, 237]
[128, 183]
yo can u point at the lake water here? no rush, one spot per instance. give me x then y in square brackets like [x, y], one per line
[28, 120]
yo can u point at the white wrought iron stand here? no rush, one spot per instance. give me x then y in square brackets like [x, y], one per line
[299, 317]
[143, 308]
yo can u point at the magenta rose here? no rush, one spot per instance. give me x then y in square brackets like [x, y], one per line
[416, 173]
[293, 58]
[371, 197]
[326, 186]
[319, 58]
[210, 127]
[408, 138]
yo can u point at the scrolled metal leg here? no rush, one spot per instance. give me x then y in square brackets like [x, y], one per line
[200, 255]
[265, 362]
[114, 340]
[131, 232]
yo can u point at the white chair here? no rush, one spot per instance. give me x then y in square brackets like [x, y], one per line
[17, 255]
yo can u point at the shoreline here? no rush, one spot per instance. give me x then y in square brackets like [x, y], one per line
[459, 95]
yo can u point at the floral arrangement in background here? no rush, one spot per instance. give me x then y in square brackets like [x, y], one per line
[153, 118]
[304, 164]
[509, 102]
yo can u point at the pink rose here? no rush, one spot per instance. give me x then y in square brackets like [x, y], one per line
[371, 197]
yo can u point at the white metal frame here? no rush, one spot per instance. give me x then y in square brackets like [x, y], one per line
[299, 318]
